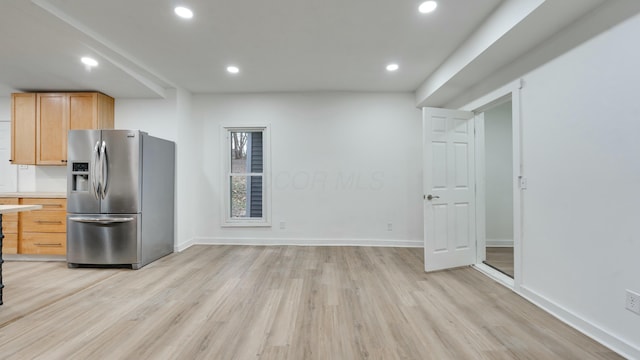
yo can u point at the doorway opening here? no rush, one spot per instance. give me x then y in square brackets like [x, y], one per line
[500, 184]
[498, 188]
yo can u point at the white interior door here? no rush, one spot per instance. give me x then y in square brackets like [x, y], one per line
[449, 188]
[8, 172]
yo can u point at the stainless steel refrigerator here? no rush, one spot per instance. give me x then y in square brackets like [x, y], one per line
[120, 198]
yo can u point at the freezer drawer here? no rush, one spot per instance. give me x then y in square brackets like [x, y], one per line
[103, 239]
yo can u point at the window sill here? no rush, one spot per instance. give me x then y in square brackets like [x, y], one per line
[245, 224]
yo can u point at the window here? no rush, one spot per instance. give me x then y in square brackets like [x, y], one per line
[246, 184]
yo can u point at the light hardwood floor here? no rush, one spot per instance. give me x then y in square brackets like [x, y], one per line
[246, 302]
[500, 258]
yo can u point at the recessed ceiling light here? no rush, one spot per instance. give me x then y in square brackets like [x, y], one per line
[392, 67]
[233, 69]
[89, 61]
[183, 12]
[427, 7]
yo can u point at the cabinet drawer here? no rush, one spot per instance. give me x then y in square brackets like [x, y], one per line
[43, 221]
[8, 201]
[10, 223]
[47, 204]
[43, 243]
[10, 244]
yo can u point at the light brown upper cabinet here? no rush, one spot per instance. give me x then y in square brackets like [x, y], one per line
[53, 115]
[23, 128]
[52, 123]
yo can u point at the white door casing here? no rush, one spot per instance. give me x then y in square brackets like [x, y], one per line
[8, 172]
[449, 178]
[509, 91]
[481, 236]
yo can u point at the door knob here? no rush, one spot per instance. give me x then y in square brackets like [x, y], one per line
[431, 197]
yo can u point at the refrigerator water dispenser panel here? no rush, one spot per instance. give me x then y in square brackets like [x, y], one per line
[80, 176]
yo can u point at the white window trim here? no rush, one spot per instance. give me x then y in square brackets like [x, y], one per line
[225, 141]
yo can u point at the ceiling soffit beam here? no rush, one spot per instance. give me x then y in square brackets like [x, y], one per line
[499, 23]
[111, 53]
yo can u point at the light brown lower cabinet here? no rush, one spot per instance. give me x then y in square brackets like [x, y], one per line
[43, 243]
[10, 228]
[42, 232]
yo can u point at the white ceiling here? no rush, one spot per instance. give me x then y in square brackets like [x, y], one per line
[279, 45]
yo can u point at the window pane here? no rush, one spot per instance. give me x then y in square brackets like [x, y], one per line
[239, 152]
[238, 196]
[246, 152]
[246, 196]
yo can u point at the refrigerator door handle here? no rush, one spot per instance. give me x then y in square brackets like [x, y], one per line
[95, 180]
[107, 220]
[104, 169]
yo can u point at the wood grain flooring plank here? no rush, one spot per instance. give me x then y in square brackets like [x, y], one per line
[279, 302]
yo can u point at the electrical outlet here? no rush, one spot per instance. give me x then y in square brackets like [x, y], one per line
[283, 225]
[633, 302]
[389, 226]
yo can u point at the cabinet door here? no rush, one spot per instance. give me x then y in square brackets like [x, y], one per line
[23, 129]
[105, 113]
[83, 111]
[52, 122]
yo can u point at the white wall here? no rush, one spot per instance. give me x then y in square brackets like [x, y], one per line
[188, 155]
[344, 166]
[498, 175]
[5, 109]
[170, 119]
[580, 149]
[158, 117]
[8, 174]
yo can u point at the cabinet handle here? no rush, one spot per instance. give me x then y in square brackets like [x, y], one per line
[47, 244]
[64, 161]
[48, 222]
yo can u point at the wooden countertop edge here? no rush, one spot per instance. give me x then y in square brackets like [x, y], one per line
[52, 195]
[4, 209]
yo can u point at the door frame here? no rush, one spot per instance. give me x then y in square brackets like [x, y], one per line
[511, 92]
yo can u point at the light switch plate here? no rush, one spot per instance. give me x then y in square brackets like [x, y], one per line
[523, 182]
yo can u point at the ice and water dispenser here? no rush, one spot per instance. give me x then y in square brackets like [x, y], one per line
[80, 176]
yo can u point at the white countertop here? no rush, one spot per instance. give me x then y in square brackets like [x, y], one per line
[34, 194]
[17, 208]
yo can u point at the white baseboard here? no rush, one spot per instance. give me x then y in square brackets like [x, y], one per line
[622, 347]
[499, 242]
[298, 242]
[185, 245]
